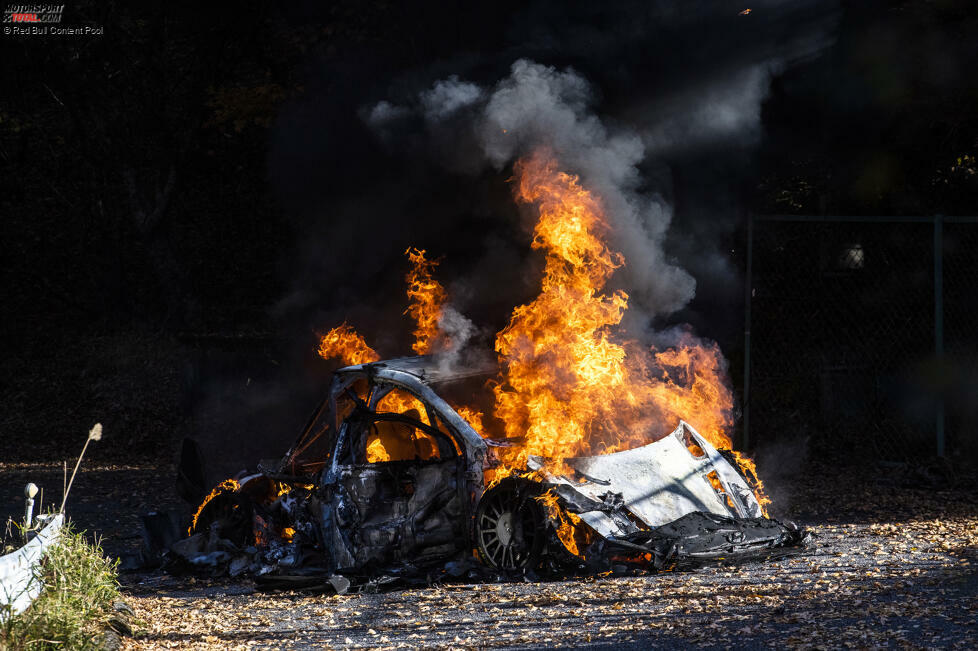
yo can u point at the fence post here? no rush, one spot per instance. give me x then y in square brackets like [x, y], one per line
[939, 324]
[748, 291]
[30, 490]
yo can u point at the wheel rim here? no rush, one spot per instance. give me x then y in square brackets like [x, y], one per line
[507, 529]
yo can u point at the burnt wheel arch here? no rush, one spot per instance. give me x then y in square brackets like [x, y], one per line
[233, 513]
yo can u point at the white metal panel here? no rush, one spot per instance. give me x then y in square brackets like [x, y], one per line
[20, 570]
[660, 482]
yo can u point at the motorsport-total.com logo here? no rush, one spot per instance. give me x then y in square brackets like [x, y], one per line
[42, 20]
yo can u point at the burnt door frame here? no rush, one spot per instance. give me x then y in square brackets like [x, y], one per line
[349, 503]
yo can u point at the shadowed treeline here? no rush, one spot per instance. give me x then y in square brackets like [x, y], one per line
[186, 202]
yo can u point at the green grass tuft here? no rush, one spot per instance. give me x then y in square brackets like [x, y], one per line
[80, 585]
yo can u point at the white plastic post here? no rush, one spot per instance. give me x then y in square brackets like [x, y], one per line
[29, 492]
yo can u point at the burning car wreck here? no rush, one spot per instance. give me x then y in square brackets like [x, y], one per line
[571, 450]
[388, 480]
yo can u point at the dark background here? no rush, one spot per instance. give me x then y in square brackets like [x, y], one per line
[187, 200]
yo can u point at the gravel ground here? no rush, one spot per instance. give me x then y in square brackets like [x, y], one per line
[891, 565]
[915, 585]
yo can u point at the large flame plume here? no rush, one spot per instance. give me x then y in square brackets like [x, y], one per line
[570, 384]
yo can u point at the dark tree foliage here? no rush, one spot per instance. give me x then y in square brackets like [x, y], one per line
[136, 169]
[884, 123]
[138, 217]
[138, 213]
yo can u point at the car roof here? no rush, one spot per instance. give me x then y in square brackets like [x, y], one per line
[430, 369]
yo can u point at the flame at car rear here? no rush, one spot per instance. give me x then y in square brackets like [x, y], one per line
[571, 385]
[561, 370]
[749, 470]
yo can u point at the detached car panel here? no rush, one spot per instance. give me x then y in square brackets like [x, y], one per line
[657, 483]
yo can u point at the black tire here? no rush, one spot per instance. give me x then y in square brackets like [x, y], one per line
[510, 526]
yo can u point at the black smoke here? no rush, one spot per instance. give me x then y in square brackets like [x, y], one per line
[656, 104]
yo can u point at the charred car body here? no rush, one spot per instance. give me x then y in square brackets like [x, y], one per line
[388, 478]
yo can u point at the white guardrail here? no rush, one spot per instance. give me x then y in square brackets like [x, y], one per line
[20, 580]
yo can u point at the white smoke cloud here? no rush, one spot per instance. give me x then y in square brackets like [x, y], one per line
[383, 113]
[455, 332]
[446, 97]
[540, 106]
[724, 110]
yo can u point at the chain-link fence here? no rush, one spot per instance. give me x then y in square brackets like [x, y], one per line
[862, 335]
[960, 247]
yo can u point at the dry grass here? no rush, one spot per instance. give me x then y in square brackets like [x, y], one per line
[80, 585]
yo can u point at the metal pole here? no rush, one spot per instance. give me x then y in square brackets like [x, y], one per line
[939, 324]
[748, 292]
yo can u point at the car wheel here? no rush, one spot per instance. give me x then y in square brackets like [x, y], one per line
[510, 526]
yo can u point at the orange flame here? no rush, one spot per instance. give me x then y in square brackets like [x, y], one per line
[472, 416]
[692, 387]
[376, 452]
[721, 492]
[561, 370]
[261, 529]
[399, 402]
[570, 386]
[344, 343]
[749, 470]
[568, 524]
[426, 299]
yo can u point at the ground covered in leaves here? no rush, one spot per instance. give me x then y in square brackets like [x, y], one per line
[895, 562]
